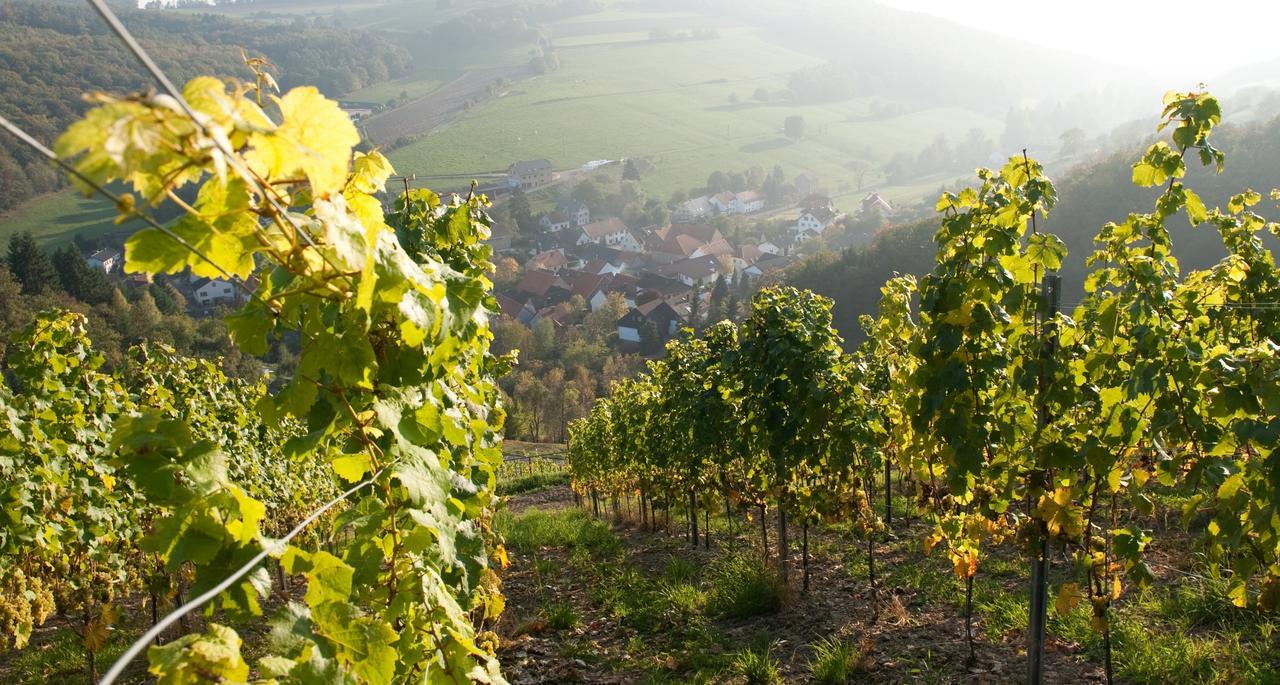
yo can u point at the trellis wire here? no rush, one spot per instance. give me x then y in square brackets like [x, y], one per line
[44, 151]
[141, 54]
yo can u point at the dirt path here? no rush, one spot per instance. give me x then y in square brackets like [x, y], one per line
[440, 107]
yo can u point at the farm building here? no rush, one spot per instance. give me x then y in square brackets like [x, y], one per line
[530, 175]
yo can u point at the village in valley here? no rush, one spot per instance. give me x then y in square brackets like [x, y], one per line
[661, 278]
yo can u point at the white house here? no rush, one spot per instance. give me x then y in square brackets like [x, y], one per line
[530, 175]
[701, 270]
[211, 291]
[768, 247]
[555, 221]
[814, 220]
[577, 212]
[807, 234]
[602, 267]
[725, 203]
[693, 210]
[611, 233]
[664, 318]
[748, 202]
[106, 259]
[874, 203]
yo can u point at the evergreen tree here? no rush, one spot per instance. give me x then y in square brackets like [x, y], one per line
[650, 343]
[630, 172]
[84, 283]
[716, 311]
[695, 307]
[521, 213]
[30, 265]
[168, 300]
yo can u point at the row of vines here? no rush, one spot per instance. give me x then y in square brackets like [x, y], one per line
[164, 478]
[1016, 424]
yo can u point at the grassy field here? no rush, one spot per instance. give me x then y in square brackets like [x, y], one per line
[56, 218]
[434, 67]
[670, 102]
[616, 94]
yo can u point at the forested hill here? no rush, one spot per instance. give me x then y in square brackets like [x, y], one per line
[1090, 195]
[52, 52]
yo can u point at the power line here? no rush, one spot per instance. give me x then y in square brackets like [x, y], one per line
[163, 624]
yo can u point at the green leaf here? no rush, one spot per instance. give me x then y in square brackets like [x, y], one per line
[1196, 211]
[1146, 175]
[351, 467]
[314, 138]
[1047, 250]
[213, 656]
[329, 580]
[365, 643]
[1230, 486]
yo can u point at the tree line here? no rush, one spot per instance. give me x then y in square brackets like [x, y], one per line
[117, 315]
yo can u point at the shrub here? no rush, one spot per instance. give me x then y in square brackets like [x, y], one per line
[742, 585]
[533, 482]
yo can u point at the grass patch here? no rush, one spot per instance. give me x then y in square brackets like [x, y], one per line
[670, 102]
[561, 616]
[570, 528]
[834, 661]
[680, 570]
[742, 585]
[647, 606]
[56, 218]
[533, 483]
[756, 666]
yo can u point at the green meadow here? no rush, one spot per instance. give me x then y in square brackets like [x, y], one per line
[687, 106]
[56, 218]
[671, 103]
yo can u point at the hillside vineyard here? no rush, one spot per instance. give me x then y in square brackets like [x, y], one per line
[346, 518]
[393, 404]
[1016, 423]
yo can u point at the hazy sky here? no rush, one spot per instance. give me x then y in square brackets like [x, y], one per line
[1130, 32]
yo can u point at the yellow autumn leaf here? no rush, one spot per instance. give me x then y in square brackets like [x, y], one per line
[65, 505]
[314, 138]
[930, 542]
[965, 563]
[1068, 598]
[501, 555]
[108, 481]
[1140, 476]
[1058, 514]
[95, 634]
